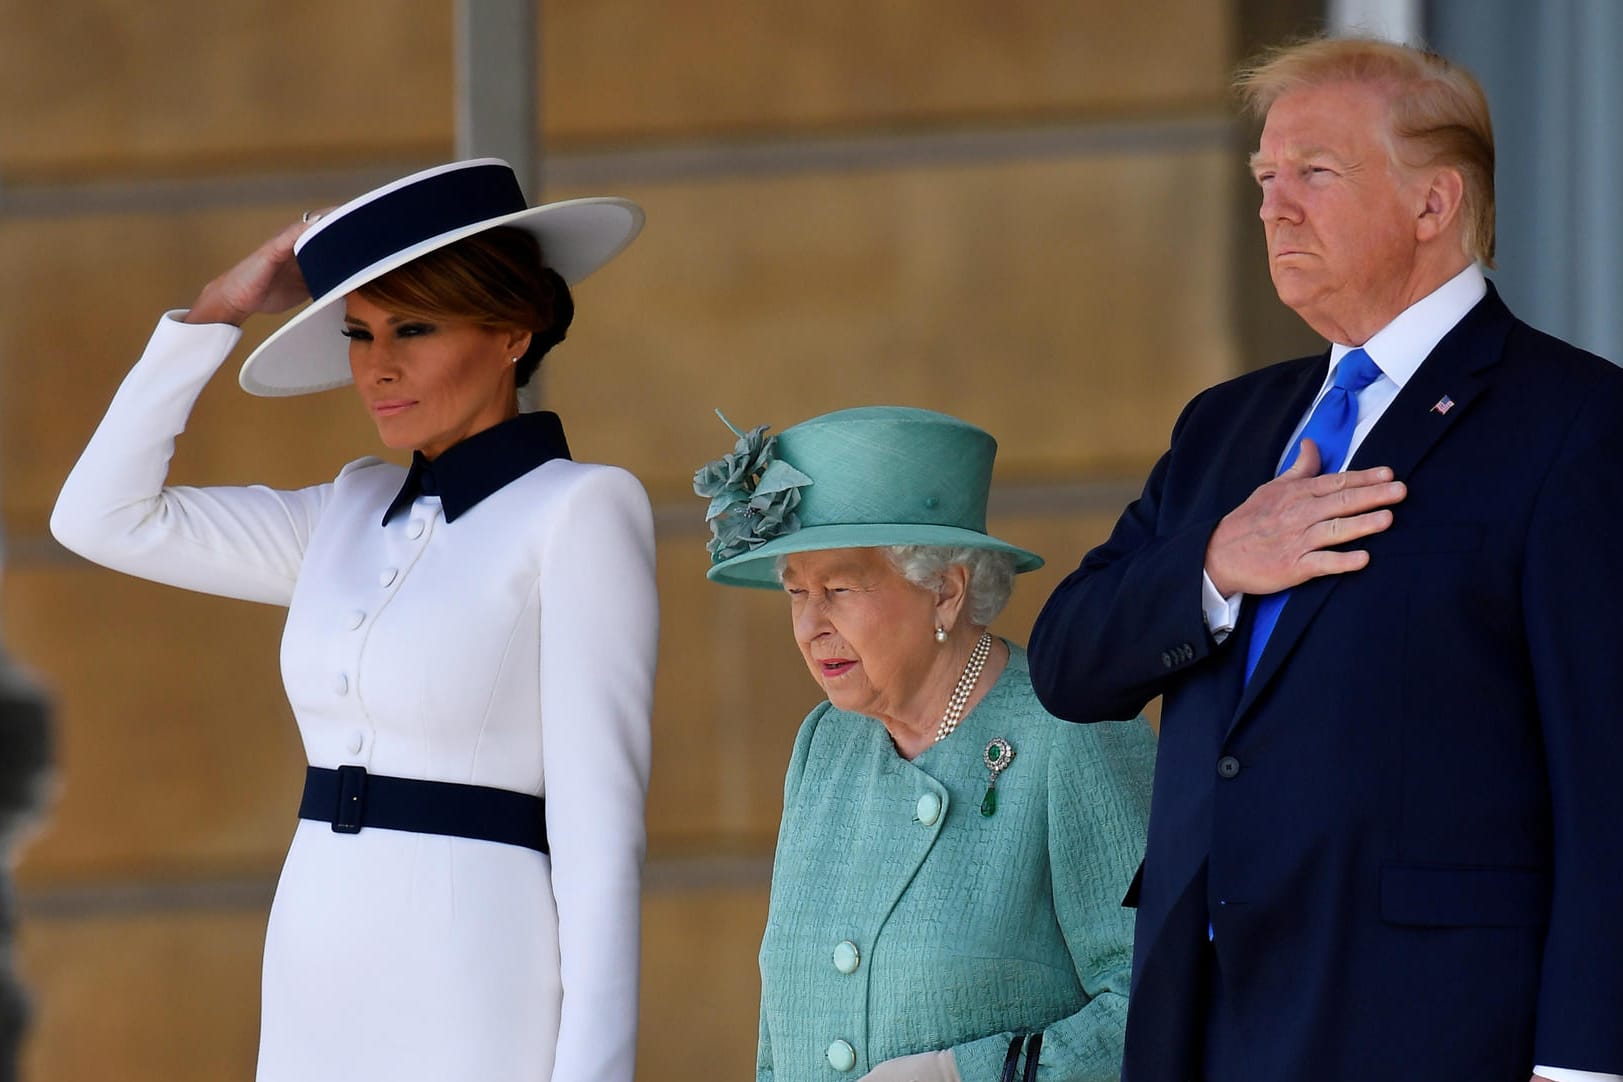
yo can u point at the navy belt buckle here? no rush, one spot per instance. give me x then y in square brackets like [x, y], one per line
[351, 807]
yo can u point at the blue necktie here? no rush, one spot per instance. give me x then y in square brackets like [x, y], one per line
[1330, 428]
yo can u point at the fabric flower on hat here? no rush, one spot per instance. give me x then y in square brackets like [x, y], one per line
[752, 495]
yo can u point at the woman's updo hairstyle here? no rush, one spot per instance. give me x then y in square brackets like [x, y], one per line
[492, 279]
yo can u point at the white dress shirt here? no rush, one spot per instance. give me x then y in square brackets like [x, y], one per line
[1397, 350]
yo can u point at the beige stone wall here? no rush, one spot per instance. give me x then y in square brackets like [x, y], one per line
[1017, 211]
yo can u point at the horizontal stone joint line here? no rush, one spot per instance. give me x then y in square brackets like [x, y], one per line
[702, 160]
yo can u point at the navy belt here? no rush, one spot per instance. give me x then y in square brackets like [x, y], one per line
[349, 798]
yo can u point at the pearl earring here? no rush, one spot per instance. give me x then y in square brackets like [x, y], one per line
[513, 361]
[940, 633]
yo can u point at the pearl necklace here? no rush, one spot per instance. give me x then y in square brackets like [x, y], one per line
[966, 685]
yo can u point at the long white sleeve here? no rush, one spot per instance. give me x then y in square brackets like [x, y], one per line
[115, 509]
[599, 635]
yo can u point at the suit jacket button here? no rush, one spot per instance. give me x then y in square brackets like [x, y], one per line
[1228, 766]
[928, 809]
[846, 956]
[841, 1056]
[1166, 659]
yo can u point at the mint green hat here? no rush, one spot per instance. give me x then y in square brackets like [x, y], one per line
[857, 478]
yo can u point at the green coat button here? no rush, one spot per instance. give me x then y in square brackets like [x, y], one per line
[929, 809]
[841, 1056]
[846, 956]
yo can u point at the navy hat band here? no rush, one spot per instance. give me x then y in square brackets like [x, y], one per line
[406, 217]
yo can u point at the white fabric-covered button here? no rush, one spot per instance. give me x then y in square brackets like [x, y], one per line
[340, 684]
[846, 956]
[414, 528]
[356, 619]
[386, 577]
[841, 1056]
[929, 809]
[357, 741]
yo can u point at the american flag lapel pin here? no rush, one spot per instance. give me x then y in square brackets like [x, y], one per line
[1444, 404]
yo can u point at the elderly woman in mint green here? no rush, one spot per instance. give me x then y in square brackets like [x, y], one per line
[950, 865]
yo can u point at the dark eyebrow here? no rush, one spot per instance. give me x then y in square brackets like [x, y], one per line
[392, 321]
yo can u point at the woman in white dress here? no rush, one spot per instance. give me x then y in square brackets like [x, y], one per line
[469, 648]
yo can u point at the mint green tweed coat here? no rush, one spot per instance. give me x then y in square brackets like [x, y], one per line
[966, 929]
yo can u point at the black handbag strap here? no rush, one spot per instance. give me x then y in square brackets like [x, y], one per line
[1034, 1047]
[1012, 1060]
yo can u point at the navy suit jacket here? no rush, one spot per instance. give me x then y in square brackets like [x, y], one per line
[1405, 830]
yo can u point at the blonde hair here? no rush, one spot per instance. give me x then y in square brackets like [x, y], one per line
[1438, 112]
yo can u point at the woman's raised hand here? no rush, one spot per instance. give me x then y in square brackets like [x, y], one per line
[268, 281]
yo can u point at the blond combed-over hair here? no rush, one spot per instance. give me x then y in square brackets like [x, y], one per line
[1438, 112]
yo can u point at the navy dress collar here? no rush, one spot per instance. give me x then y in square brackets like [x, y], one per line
[467, 472]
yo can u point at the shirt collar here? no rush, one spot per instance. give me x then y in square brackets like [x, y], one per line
[467, 472]
[1399, 347]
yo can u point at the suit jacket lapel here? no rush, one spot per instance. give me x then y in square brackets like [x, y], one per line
[1257, 460]
[1418, 417]
[1409, 428]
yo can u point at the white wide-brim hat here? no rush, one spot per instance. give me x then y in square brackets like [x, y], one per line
[387, 228]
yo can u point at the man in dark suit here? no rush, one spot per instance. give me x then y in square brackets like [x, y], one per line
[1385, 842]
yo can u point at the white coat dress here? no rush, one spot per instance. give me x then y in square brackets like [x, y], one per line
[513, 647]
